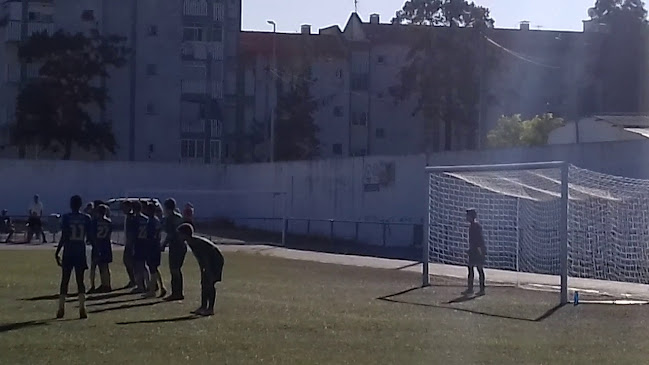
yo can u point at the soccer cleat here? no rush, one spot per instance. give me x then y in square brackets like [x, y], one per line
[137, 291]
[173, 298]
[92, 290]
[82, 313]
[206, 312]
[198, 310]
[467, 292]
[481, 292]
[149, 294]
[60, 313]
[163, 293]
[130, 285]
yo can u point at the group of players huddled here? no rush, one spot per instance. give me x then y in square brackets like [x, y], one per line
[145, 222]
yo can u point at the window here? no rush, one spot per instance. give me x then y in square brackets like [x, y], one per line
[216, 34]
[215, 127]
[380, 133]
[380, 59]
[215, 150]
[192, 148]
[193, 33]
[188, 148]
[218, 12]
[150, 108]
[338, 149]
[200, 148]
[152, 30]
[338, 111]
[359, 118]
[88, 15]
[151, 69]
[339, 73]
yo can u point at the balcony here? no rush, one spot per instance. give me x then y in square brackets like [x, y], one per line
[200, 87]
[193, 87]
[200, 51]
[195, 7]
[13, 32]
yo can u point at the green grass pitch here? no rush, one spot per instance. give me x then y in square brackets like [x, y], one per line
[276, 311]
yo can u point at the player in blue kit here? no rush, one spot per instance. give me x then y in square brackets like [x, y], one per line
[102, 251]
[155, 252]
[140, 232]
[74, 231]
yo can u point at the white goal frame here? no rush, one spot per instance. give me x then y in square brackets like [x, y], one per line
[133, 193]
[563, 228]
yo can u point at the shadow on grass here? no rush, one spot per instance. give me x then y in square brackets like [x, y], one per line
[126, 306]
[190, 317]
[19, 325]
[89, 298]
[391, 299]
[122, 301]
[7, 327]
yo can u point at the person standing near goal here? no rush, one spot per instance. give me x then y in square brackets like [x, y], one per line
[477, 252]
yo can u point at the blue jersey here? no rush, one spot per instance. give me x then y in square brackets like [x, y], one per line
[102, 230]
[75, 229]
[139, 229]
[154, 230]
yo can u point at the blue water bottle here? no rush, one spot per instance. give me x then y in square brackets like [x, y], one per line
[575, 300]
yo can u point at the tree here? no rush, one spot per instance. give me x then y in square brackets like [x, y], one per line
[53, 111]
[513, 131]
[295, 128]
[618, 58]
[445, 65]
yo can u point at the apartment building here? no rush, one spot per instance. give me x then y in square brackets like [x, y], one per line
[356, 68]
[176, 98]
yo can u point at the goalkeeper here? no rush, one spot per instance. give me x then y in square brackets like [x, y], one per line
[477, 252]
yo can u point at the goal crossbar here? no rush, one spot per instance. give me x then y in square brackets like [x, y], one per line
[563, 166]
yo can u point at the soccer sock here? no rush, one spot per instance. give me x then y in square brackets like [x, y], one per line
[212, 298]
[82, 302]
[160, 282]
[154, 281]
[204, 298]
[62, 301]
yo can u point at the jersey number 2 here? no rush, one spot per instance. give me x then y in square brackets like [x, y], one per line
[77, 232]
[142, 233]
[102, 232]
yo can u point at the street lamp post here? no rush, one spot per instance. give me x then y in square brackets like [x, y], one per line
[272, 113]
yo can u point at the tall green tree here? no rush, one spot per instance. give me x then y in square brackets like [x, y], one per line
[618, 57]
[54, 110]
[295, 129]
[513, 131]
[445, 65]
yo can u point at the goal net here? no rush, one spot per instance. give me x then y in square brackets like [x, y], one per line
[229, 215]
[551, 219]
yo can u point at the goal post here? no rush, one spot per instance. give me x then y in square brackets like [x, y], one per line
[522, 206]
[261, 210]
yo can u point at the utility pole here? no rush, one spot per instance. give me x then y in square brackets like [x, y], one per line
[273, 110]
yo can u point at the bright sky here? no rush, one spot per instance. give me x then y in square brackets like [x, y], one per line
[290, 14]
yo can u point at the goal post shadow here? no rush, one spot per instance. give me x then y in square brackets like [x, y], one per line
[457, 304]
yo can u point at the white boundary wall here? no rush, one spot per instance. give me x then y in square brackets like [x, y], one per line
[391, 188]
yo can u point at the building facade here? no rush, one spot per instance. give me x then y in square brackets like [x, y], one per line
[356, 69]
[173, 99]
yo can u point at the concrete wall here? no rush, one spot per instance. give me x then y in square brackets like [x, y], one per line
[390, 189]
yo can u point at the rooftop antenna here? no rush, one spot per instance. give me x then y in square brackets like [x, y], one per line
[355, 6]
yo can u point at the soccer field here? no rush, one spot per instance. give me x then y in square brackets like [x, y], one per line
[278, 311]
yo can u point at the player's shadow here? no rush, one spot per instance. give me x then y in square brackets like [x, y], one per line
[89, 298]
[126, 306]
[393, 298]
[8, 327]
[190, 317]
